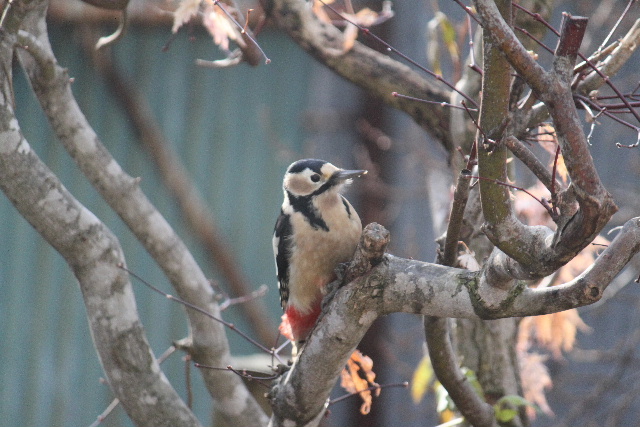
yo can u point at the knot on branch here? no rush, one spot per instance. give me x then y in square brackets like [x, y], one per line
[370, 251]
[593, 292]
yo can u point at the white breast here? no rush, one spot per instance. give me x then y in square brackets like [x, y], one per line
[316, 252]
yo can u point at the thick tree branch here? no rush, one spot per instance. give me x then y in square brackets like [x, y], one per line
[437, 329]
[93, 253]
[371, 70]
[401, 285]
[210, 347]
[575, 229]
[492, 157]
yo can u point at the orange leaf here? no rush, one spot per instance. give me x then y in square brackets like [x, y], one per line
[358, 377]
[556, 331]
[219, 26]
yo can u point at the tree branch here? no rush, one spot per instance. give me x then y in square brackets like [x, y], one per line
[371, 70]
[210, 346]
[445, 364]
[575, 229]
[401, 285]
[93, 253]
[614, 62]
[437, 330]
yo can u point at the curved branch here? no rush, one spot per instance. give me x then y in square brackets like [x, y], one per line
[575, 229]
[93, 253]
[401, 285]
[375, 72]
[475, 410]
[614, 62]
[210, 346]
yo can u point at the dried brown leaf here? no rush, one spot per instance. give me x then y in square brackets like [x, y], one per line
[535, 380]
[556, 332]
[357, 377]
[185, 11]
[219, 26]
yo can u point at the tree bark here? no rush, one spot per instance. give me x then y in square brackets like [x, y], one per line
[209, 345]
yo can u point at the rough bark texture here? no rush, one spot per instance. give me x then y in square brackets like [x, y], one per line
[401, 285]
[93, 253]
[209, 345]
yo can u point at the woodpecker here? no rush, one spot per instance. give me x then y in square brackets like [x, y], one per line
[317, 229]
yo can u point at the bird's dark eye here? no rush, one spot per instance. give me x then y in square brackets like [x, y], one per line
[315, 177]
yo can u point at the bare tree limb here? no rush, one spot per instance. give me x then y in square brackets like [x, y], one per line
[614, 62]
[401, 285]
[576, 229]
[210, 346]
[375, 72]
[93, 253]
[446, 367]
[437, 330]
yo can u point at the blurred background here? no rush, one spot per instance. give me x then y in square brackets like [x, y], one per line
[234, 131]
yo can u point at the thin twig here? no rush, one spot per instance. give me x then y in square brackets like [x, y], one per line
[242, 374]
[196, 308]
[403, 384]
[469, 12]
[515, 187]
[460, 197]
[617, 24]
[605, 78]
[113, 405]
[242, 30]
[631, 145]
[442, 104]
[402, 55]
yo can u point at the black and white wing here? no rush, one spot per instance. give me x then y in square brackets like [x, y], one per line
[281, 251]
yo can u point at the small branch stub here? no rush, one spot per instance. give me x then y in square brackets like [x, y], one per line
[370, 250]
